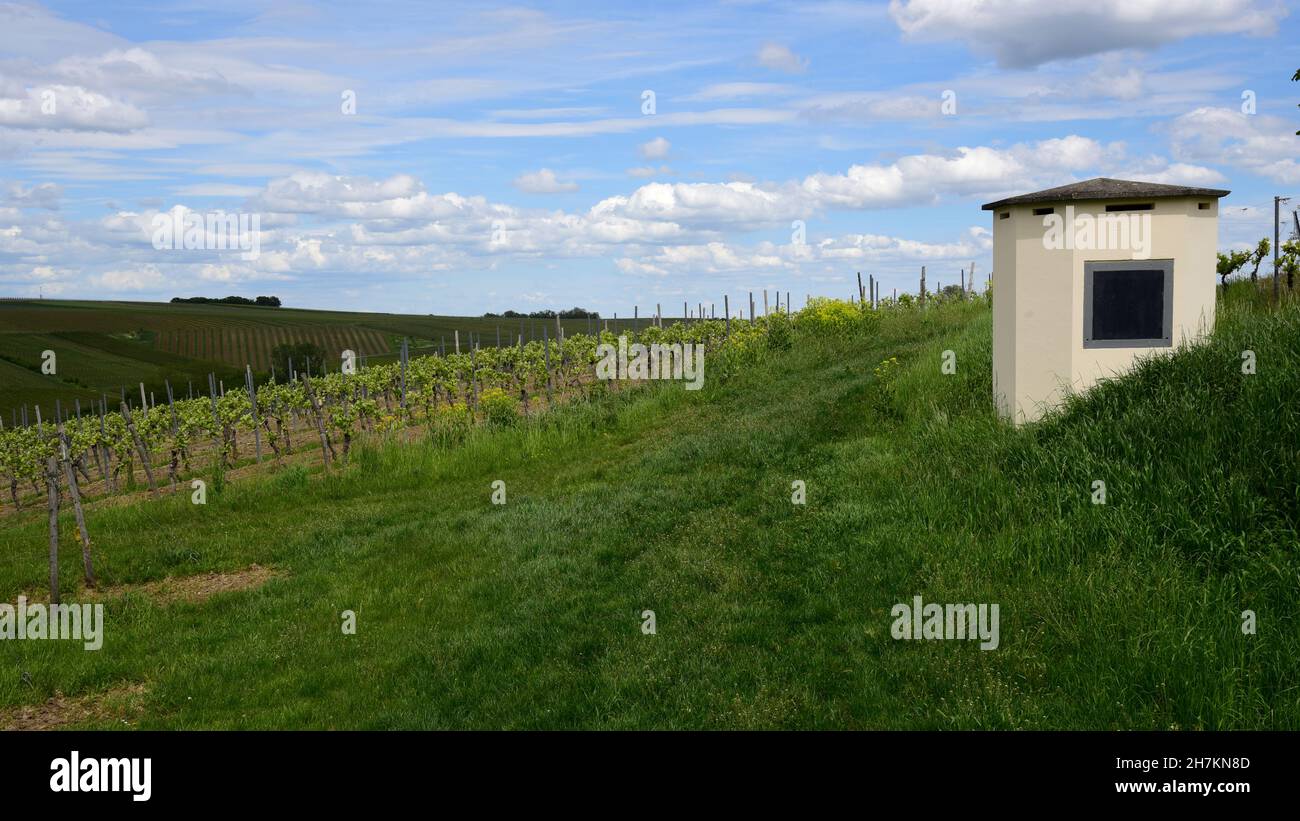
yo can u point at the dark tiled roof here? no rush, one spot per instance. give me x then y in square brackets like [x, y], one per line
[1104, 188]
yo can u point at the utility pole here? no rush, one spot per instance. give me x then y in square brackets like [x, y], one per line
[1295, 215]
[1277, 240]
[1277, 205]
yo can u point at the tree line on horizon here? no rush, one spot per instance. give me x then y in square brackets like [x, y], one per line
[571, 313]
[265, 301]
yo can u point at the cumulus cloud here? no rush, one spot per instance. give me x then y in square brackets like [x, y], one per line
[1021, 33]
[543, 181]
[142, 278]
[911, 180]
[780, 58]
[877, 250]
[1178, 174]
[400, 197]
[398, 211]
[655, 149]
[707, 204]
[395, 227]
[1258, 143]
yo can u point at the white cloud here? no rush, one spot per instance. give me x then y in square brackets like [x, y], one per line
[1179, 174]
[655, 149]
[780, 58]
[1257, 143]
[543, 181]
[872, 107]
[394, 227]
[60, 106]
[141, 73]
[1022, 33]
[216, 189]
[45, 195]
[400, 197]
[910, 180]
[131, 279]
[706, 204]
[647, 171]
[859, 249]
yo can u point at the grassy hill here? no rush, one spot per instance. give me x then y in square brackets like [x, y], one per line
[103, 346]
[769, 614]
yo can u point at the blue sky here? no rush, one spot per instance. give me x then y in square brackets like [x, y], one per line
[503, 156]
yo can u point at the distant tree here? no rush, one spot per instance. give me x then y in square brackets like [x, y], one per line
[300, 353]
[571, 313]
[269, 301]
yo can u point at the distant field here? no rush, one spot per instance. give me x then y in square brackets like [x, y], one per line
[103, 347]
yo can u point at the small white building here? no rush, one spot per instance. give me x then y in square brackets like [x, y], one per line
[1090, 276]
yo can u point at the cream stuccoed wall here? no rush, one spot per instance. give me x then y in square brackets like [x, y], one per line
[1038, 300]
[1004, 315]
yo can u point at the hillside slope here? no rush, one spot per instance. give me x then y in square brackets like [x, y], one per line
[768, 614]
[102, 347]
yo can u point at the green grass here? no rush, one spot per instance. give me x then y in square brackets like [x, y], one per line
[1125, 615]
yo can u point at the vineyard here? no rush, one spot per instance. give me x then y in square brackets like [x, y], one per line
[120, 445]
[102, 347]
[252, 345]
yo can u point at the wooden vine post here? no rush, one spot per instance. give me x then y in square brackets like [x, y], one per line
[106, 466]
[405, 354]
[325, 447]
[176, 429]
[473, 377]
[139, 446]
[252, 402]
[74, 493]
[218, 437]
[52, 487]
[547, 343]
